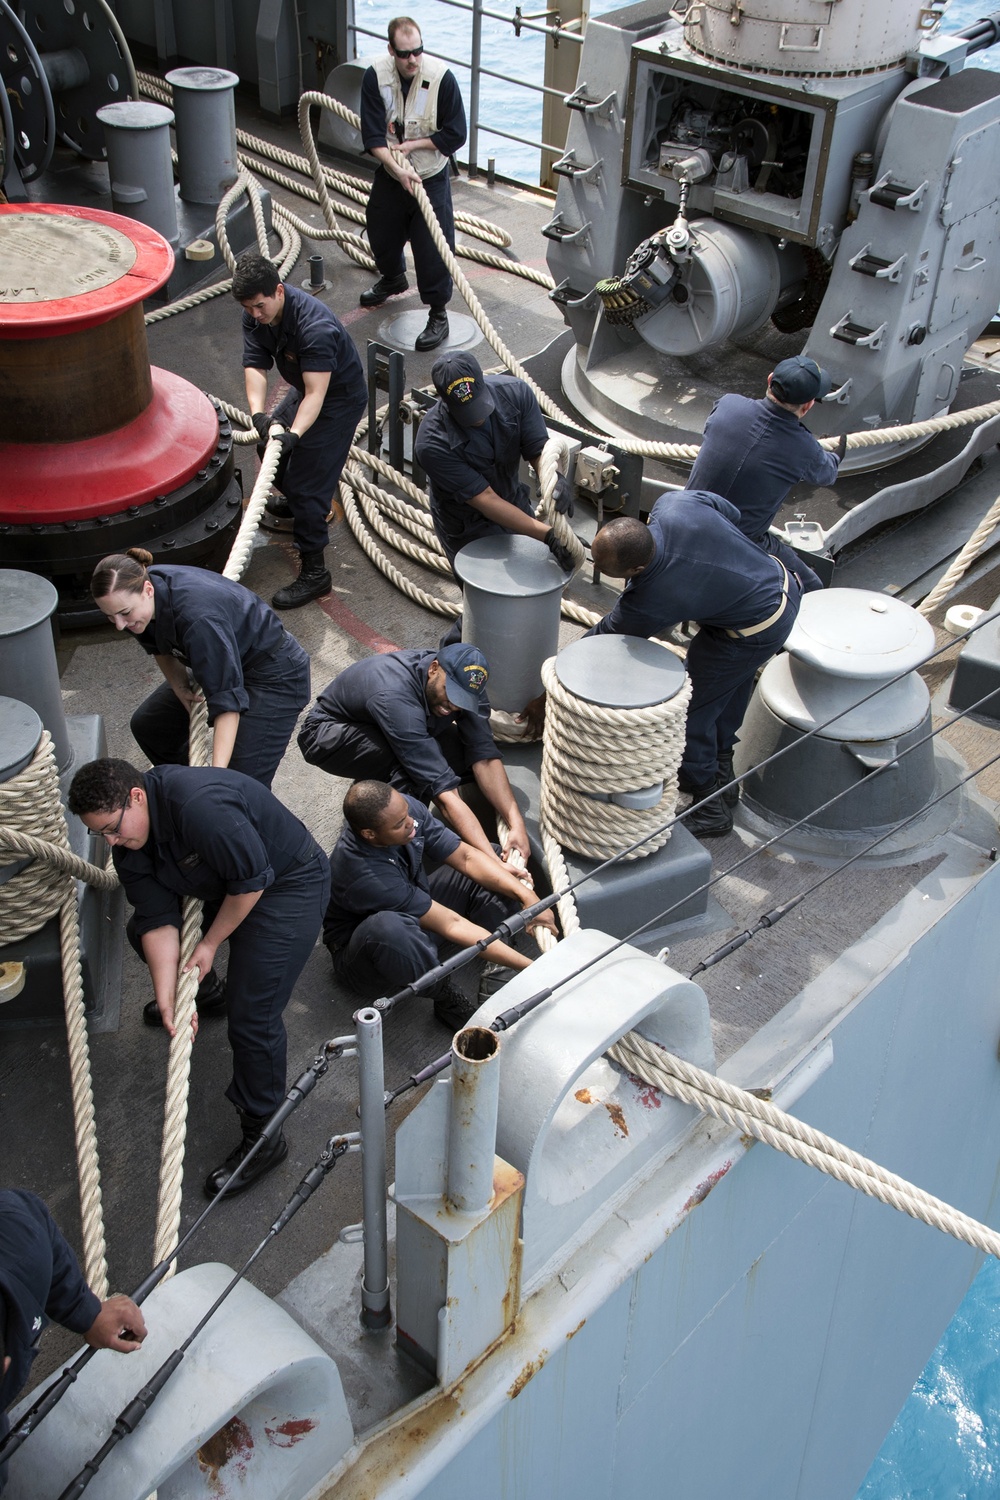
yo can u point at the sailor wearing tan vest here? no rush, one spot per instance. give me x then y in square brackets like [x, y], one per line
[412, 102]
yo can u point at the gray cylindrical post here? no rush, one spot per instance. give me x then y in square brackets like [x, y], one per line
[510, 610]
[28, 670]
[20, 731]
[317, 272]
[475, 63]
[375, 1309]
[472, 1126]
[206, 132]
[137, 135]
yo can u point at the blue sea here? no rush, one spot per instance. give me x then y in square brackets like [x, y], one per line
[945, 1444]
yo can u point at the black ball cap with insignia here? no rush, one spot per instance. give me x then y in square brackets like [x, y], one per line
[466, 673]
[459, 381]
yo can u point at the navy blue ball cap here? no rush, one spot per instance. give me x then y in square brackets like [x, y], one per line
[459, 381]
[800, 380]
[466, 672]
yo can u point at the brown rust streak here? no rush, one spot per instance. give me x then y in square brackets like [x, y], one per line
[617, 1118]
[529, 1372]
[574, 1331]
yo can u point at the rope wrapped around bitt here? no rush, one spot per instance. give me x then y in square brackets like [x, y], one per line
[590, 749]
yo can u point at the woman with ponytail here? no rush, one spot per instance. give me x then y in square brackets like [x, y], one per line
[213, 638]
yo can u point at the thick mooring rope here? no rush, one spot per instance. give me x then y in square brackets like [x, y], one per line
[168, 1206]
[757, 1117]
[588, 749]
[963, 562]
[32, 819]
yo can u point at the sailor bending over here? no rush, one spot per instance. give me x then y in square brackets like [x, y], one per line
[41, 1281]
[420, 720]
[754, 451]
[213, 637]
[180, 831]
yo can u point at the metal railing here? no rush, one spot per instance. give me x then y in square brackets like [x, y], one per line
[570, 32]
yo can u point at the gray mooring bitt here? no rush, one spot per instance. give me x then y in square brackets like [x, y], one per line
[375, 1308]
[137, 134]
[844, 644]
[28, 670]
[472, 1122]
[510, 609]
[206, 132]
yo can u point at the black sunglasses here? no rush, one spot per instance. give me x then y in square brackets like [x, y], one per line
[413, 52]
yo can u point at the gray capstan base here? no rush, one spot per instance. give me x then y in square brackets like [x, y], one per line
[664, 889]
[40, 1002]
[977, 671]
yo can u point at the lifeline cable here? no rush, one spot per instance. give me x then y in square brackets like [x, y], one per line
[129, 1418]
[773, 917]
[744, 1111]
[521, 919]
[301, 1088]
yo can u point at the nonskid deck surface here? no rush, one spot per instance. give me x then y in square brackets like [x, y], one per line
[105, 674]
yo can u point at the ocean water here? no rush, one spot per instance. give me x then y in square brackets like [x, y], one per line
[945, 1444]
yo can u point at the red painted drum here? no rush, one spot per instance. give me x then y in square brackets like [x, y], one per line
[167, 445]
[98, 452]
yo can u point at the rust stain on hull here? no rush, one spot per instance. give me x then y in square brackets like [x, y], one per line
[703, 1189]
[291, 1432]
[529, 1372]
[231, 1445]
[617, 1119]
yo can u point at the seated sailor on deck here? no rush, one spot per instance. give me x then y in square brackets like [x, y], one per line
[420, 720]
[388, 918]
[40, 1280]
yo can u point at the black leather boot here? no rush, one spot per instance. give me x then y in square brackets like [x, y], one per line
[725, 776]
[711, 821]
[384, 288]
[313, 581]
[211, 1001]
[266, 1160]
[451, 1005]
[435, 331]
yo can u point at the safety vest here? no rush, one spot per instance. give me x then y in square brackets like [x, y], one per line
[417, 112]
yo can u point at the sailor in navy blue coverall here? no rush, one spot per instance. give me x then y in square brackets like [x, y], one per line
[388, 919]
[390, 718]
[182, 831]
[40, 1281]
[693, 563]
[253, 674]
[315, 354]
[752, 452]
[473, 466]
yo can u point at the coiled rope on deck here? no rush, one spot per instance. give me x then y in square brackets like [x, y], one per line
[32, 823]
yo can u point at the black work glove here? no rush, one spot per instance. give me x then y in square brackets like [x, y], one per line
[562, 555]
[841, 447]
[262, 422]
[563, 495]
[288, 441]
